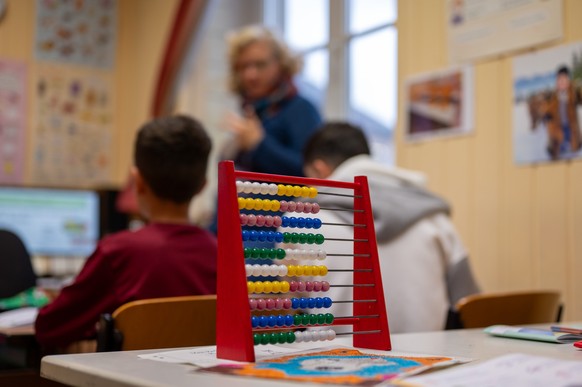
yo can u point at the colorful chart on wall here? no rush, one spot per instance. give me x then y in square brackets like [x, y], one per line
[12, 121]
[77, 32]
[547, 105]
[74, 114]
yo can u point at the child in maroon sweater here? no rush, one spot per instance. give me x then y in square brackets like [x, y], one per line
[168, 257]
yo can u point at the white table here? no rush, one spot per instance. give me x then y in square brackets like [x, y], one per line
[114, 369]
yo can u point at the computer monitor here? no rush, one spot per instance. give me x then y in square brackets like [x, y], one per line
[52, 222]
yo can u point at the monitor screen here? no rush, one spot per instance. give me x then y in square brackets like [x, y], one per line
[52, 222]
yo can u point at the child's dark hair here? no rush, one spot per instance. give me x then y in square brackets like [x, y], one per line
[334, 143]
[171, 153]
[563, 70]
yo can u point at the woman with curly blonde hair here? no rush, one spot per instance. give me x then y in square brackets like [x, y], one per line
[276, 121]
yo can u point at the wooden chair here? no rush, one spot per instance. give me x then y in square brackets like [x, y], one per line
[159, 323]
[511, 308]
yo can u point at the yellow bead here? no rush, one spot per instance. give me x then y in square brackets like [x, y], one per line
[276, 287]
[297, 191]
[299, 271]
[322, 270]
[251, 286]
[258, 204]
[289, 189]
[268, 287]
[281, 189]
[305, 192]
[241, 203]
[275, 205]
[267, 204]
[284, 286]
[312, 192]
[291, 270]
[259, 287]
[307, 270]
[250, 204]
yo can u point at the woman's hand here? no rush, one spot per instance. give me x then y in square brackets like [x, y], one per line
[247, 129]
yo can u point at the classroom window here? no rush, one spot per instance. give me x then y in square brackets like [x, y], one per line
[349, 52]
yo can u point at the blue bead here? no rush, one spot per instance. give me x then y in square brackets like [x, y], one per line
[272, 321]
[308, 223]
[311, 302]
[262, 236]
[303, 302]
[245, 235]
[289, 320]
[280, 320]
[295, 303]
[318, 302]
[255, 321]
[270, 236]
[301, 222]
[253, 235]
[326, 302]
[293, 222]
[284, 221]
[263, 321]
[278, 237]
[316, 223]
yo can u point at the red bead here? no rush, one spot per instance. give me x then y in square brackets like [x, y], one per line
[284, 206]
[253, 303]
[300, 207]
[243, 219]
[270, 303]
[301, 286]
[317, 286]
[307, 207]
[324, 286]
[309, 286]
[251, 220]
[261, 304]
[286, 303]
[269, 220]
[293, 286]
[315, 208]
[277, 221]
[260, 220]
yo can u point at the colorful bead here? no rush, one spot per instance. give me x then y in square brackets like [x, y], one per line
[268, 220]
[239, 186]
[260, 286]
[257, 339]
[261, 304]
[327, 302]
[287, 303]
[253, 303]
[275, 205]
[270, 303]
[318, 302]
[324, 286]
[276, 287]
[285, 286]
[289, 189]
[309, 287]
[284, 206]
[273, 189]
[281, 189]
[297, 191]
[319, 239]
[241, 203]
[299, 207]
[267, 204]
[312, 192]
[256, 187]
[307, 207]
[265, 189]
[291, 206]
[322, 270]
[293, 286]
[295, 303]
[260, 220]
[281, 253]
[315, 208]
[251, 287]
[317, 286]
[305, 192]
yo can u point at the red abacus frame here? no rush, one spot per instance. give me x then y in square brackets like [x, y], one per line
[234, 334]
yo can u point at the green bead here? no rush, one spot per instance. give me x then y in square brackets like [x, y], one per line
[264, 253]
[257, 338]
[328, 318]
[255, 252]
[290, 337]
[273, 338]
[272, 254]
[302, 238]
[305, 319]
[294, 237]
[311, 238]
[297, 320]
[281, 337]
[281, 253]
[265, 338]
[313, 319]
[247, 252]
[321, 318]
[287, 237]
[319, 239]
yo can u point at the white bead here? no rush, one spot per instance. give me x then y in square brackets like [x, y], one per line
[257, 269]
[283, 270]
[256, 187]
[265, 270]
[265, 189]
[247, 188]
[273, 189]
[274, 270]
[321, 255]
[298, 337]
[249, 269]
[239, 186]
[330, 334]
[289, 254]
[307, 336]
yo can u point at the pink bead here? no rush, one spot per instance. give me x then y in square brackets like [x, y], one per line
[301, 286]
[317, 286]
[253, 304]
[284, 205]
[279, 303]
[270, 303]
[251, 220]
[286, 303]
[309, 286]
[243, 219]
[261, 304]
[293, 285]
[260, 220]
[308, 207]
[315, 208]
[269, 221]
[277, 221]
[300, 207]
[324, 286]
[292, 207]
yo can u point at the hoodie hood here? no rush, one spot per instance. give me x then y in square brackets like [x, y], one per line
[398, 196]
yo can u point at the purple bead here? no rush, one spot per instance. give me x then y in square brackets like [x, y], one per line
[324, 286]
[315, 208]
[301, 286]
[300, 207]
[251, 220]
[270, 303]
[269, 221]
[253, 303]
[277, 222]
[293, 286]
[284, 206]
[307, 207]
[286, 303]
[292, 207]
[317, 286]
[309, 286]
[243, 219]
[261, 304]
[260, 220]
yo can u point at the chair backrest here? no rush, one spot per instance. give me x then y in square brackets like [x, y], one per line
[511, 308]
[16, 272]
[167, 322]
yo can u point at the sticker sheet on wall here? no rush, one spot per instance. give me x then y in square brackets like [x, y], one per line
[73, 128]
[12, 121]
[77, 31]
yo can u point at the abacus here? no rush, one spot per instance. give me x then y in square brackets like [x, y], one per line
[239, 327]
